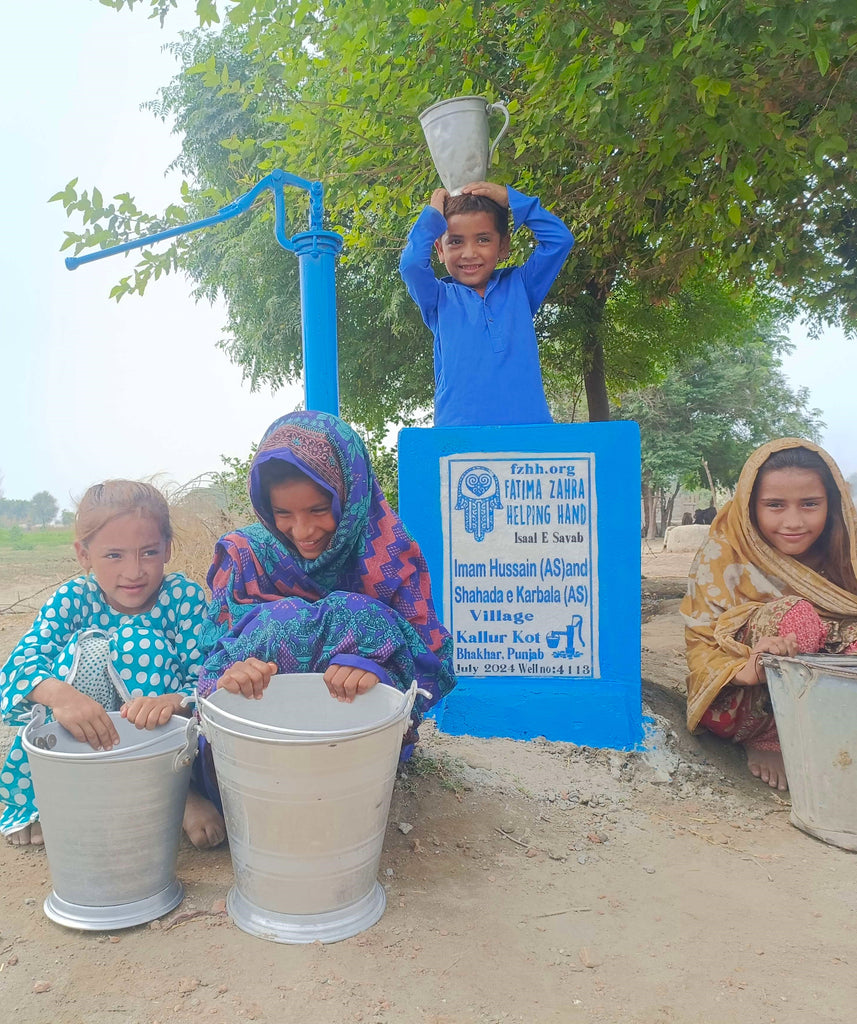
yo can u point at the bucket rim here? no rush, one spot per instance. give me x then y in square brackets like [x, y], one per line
[296, 737]
[209, 711]
[136, 752]
[837, 664]
[447, 101]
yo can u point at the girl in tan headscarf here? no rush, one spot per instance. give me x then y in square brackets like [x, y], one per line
[778, 574]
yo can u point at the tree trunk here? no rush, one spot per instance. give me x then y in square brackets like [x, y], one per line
[649, 518]
[594, 377]
[645, 494]
[710, 482]
[667, 519]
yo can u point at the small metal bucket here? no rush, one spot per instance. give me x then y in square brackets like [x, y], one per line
[456, 131]
[815, 707]
[111, 819]
[306, 783]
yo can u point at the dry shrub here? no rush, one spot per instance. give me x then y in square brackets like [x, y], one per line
[199, 518]
[201, 511]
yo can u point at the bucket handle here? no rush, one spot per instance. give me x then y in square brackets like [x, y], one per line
[188, 752]
[408, 703]
[38, 717]
[114, 677]
[491, 108]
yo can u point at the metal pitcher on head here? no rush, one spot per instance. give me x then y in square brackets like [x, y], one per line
[457, 134]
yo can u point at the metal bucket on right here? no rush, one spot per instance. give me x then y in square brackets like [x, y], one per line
[814, 697]
[306, 783]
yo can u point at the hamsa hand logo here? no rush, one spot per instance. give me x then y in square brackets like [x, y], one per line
[478, 497]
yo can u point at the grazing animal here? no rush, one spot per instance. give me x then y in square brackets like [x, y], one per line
[704, 516]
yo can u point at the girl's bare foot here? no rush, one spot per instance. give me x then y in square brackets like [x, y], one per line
[767, 765]
[203, 823]
[29, 835]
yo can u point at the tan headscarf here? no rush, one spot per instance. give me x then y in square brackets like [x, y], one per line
[736, 571]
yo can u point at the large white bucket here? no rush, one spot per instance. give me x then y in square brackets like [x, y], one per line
[815, 706]
[111, 819]
[306, 783]
[456, 131]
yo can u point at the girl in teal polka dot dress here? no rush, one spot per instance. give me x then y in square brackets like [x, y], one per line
[125, 626]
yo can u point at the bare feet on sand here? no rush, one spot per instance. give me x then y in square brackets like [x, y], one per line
[767, 765]
[29, 835]
[203, 823]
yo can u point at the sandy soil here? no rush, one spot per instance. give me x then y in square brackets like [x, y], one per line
[541, 883]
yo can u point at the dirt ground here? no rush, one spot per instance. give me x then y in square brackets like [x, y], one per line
[541, 883]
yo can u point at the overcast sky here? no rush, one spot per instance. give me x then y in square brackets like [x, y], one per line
[92, 388]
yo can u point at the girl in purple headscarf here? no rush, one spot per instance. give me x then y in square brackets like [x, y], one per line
[328, 581]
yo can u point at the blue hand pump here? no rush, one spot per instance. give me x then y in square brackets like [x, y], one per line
[316, 250]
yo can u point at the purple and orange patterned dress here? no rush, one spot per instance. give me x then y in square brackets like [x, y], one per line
[365, 601]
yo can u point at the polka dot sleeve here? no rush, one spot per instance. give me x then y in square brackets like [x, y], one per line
[186, 611]
[32, 661]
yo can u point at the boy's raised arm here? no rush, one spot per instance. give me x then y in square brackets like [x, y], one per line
[554, 243]
[415, 261]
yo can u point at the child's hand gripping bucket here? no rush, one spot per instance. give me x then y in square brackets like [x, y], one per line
[306, 783]
[111, 819]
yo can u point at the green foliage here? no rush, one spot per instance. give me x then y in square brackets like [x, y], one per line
[44, 508]
[18, 540]
[385, 466]
[41, 509]
[717, 407]
[686, 140]
[14, 511]
[31, 540]
[205, 9]
[233, 483]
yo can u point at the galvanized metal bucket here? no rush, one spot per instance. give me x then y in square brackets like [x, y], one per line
[111, 819]
[456, 131]
[306, 783]
[815, 706]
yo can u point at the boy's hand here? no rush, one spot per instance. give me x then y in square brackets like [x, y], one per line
[249, 678]
[490, 189]
[150, 712]
[438, 198]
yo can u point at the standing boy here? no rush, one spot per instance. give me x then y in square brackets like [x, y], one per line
[486, 359]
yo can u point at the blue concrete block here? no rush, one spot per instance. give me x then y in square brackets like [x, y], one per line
[532, 535]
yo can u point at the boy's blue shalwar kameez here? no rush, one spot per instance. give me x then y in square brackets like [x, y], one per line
[486, 359]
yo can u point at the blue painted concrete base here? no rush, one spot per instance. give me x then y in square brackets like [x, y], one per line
[544, 608]
[588, 713]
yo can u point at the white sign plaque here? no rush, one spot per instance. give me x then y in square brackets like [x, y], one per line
[520, 556]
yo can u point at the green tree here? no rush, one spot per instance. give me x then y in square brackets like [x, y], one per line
[43, 508]
[710, 412]
[14, 511]
[675, 134]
